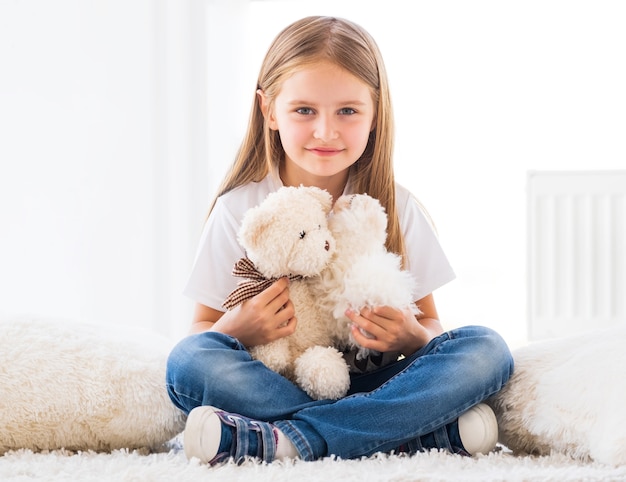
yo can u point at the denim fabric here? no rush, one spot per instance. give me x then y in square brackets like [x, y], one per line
[409, 405]
[242, 437]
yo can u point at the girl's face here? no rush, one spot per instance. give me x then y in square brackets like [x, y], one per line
[324, 116]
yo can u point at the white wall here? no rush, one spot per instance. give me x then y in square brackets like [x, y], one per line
[101, 189]
[118, 118]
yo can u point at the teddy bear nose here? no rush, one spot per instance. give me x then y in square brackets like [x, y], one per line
[326, 246]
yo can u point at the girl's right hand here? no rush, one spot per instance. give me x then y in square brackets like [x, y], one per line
[263, 318]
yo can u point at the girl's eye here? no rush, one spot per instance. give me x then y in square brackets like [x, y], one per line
[347, 111]
[304, 110]
[302, 234]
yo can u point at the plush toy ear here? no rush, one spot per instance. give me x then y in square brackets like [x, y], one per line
[253, 225]
[322, 196]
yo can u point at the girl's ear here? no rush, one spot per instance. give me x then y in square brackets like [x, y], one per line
[266, 111]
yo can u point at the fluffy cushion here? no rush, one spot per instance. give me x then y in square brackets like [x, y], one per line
[79, 386]
[567, 395]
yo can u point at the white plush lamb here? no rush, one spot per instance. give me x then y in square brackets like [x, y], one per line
[288, 235]
[362, 273]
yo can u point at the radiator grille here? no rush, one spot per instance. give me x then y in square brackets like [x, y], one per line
[576, 251]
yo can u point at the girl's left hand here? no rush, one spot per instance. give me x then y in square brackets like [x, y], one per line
[391, 329]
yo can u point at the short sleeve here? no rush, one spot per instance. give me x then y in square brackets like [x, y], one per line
[426, 259]
[211, 280]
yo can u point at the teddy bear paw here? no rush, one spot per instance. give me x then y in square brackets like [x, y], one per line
[322, 373]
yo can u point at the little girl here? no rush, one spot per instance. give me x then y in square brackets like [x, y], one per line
[322, 117]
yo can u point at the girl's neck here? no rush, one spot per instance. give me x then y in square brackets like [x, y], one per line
[335, 184]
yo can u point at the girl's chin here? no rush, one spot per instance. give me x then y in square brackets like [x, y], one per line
[323, 167]
[325, 173]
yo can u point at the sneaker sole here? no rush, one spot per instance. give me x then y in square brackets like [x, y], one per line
[489, 439]
[202, 435]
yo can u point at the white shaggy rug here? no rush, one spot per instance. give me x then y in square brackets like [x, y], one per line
[139, 466]
[113, 396]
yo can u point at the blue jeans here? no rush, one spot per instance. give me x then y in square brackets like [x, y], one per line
[409, 405]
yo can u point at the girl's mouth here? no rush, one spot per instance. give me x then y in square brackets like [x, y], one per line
[324, 151]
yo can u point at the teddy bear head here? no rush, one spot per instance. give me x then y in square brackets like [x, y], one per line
[287, 234]
[358, 222]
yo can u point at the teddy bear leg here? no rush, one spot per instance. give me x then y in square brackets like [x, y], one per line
[322, 373]
[275, 355]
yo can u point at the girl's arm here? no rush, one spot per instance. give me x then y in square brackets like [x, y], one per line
[266, 317]
[204, 318]
[397, 330]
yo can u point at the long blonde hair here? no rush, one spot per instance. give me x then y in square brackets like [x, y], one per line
[349, 46]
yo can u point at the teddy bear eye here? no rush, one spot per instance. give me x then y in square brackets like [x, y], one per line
[302, 234]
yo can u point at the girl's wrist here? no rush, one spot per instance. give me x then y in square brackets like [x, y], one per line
[428, 328]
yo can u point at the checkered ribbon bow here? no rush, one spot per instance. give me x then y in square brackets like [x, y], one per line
[252, 285]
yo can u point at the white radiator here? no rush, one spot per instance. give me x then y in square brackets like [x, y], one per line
[576, 251]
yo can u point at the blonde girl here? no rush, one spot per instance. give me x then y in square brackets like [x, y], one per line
[322, 116]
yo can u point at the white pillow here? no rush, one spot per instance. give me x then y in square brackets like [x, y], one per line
[567, 395]
[79, 386]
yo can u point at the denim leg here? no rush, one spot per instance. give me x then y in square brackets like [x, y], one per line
[215, 369]
[413, 403]
[417, 406]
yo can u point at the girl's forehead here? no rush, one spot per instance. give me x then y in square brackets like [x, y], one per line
[322, 65]
[323, 77]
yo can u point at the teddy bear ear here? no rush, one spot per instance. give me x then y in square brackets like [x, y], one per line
[252, 227]
[323, 196]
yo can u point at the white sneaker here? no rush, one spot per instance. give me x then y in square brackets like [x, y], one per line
[213, 436]
[478, 429]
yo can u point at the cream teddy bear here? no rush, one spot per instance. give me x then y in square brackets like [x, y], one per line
[362, 273]
[287, 235]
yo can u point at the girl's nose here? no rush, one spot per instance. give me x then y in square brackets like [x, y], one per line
[325, 128]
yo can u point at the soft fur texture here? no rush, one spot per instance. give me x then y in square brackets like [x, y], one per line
[78, 386]
[287, 234]
[172, 466]
[567, 395]
[362, 272]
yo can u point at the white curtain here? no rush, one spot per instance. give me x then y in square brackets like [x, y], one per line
[104, 180]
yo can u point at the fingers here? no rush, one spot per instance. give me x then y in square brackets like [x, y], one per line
[274, 298]
[279, 310]
[369, 320]
[287, 328]
[379, 328]
[362, 338]
[364, 325]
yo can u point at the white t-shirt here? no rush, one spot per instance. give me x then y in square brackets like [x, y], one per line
[211, 279]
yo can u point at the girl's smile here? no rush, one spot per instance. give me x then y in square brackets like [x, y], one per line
[324, 151]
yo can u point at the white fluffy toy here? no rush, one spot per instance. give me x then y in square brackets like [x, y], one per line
[288, 235]
[362, 273]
